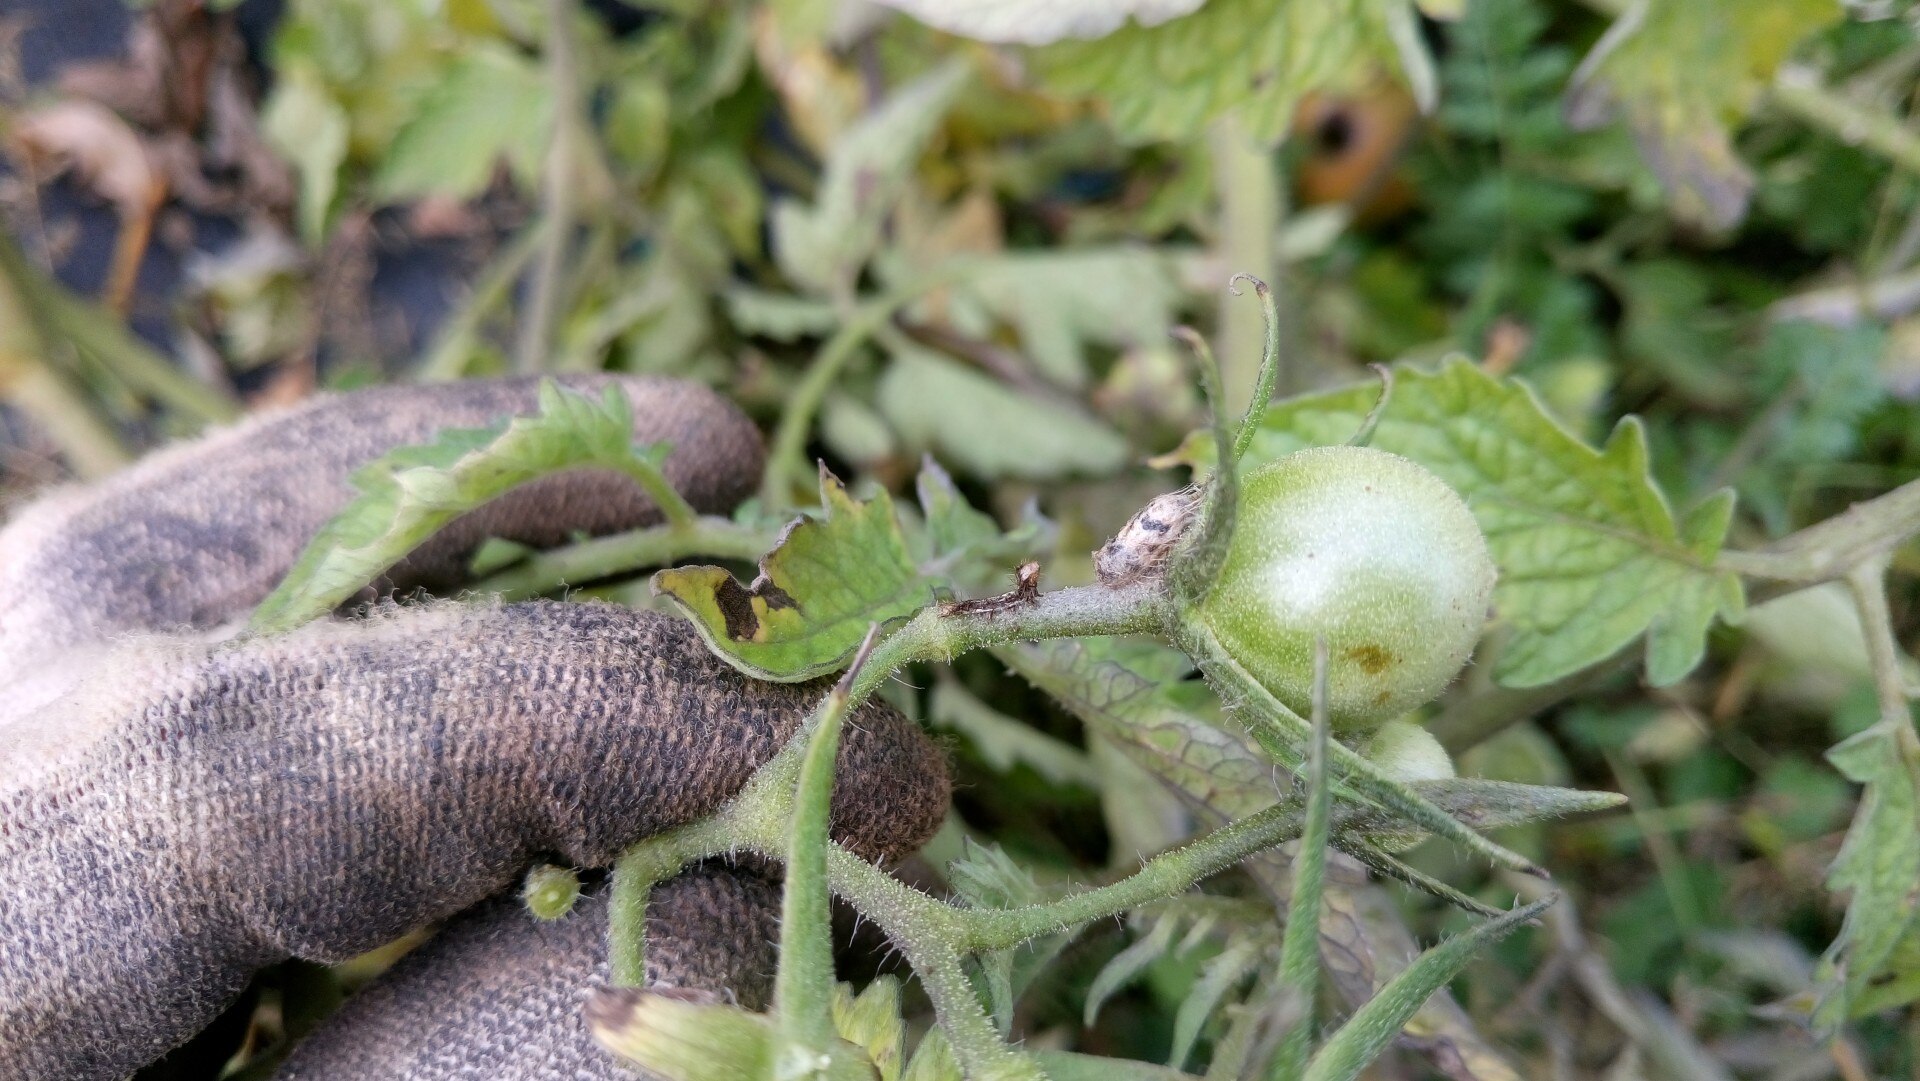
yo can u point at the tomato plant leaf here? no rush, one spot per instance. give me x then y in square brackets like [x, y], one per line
[306, 124]
[1168, 80]
[491, 103]
[1062, 301]
[1365, 944]
[674, 1037]
[871, 1021]
[1219, 975]
[1879, 862]
[1133, 693]
[857, 562]
[966, 548]
[825, 581]
[408, 494]
[1591, 555]
[822, 246]
[987, 427]
[1685, 73]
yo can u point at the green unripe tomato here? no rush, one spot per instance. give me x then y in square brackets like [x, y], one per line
[1367, 550]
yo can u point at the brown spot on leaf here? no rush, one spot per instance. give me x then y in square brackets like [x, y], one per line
[1372, 659]
[773, 594]
[736, 607]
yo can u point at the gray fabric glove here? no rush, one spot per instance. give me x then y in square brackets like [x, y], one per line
[176, 811]
[197, 534]
[499, 994]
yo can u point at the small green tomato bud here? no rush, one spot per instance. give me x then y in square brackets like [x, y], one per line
[681, 1035]
[550, 891]
[1407, 753]
[686, 1035]
[1364, 549]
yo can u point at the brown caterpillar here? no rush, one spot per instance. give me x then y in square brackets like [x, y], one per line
[177, 811]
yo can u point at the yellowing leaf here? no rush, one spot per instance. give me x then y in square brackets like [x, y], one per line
[818, 590]
[1260, 56]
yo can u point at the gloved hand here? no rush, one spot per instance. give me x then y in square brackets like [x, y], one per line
[177, 810]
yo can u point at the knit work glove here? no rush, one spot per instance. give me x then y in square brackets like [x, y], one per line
[179, 807]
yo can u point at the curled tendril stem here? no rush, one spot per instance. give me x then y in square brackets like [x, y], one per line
[1269, 367]
[1365, 435]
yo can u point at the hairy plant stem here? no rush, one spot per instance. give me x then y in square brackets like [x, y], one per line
[936, 634]
[804, 1038]
[1300, 944]
[622, 553]
[934, 934]
[1832, 549]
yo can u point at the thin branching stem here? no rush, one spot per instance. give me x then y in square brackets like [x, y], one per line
[1269, 365]
[937, 634]
[623, 553]
[1832, 549]
[1867, 583]
[1372, 420]
[454, 342]
[1247, 176]
[1300, 946]
[803, 984]
[1797, 90]
[674, 507]
[1200, 560]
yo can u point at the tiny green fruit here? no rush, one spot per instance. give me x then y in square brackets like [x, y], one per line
[1408, 753]
[1367, 550]
[550, 891]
